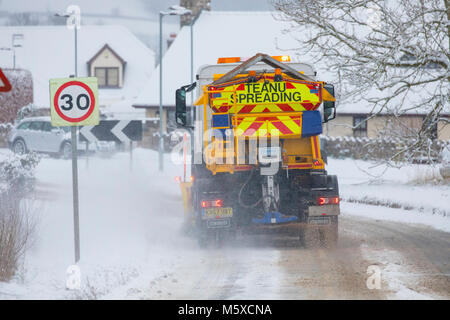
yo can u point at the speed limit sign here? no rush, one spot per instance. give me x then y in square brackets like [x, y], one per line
[74, 101]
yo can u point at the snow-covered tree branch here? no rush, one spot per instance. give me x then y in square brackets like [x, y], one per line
[390, 55]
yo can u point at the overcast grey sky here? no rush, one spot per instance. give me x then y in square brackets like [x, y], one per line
[141, 7]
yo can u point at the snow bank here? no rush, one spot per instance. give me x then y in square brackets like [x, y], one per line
[129, 223]
[403, 193]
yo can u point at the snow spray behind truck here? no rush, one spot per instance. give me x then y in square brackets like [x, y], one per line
[261, 167]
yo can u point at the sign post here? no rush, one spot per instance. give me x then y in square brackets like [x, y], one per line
[74, 102]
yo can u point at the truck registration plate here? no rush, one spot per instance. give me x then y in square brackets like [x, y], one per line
[217, 213]
[218, 223]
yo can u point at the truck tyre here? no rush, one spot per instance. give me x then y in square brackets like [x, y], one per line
[330, 235]
[310, 236]
[218, 238]
[202, 241]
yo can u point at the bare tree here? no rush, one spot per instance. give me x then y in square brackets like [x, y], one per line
[23, 19]
[392, 56]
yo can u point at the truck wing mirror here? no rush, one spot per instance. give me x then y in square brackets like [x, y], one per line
[180, 106]
[329, 107]
[180, 103]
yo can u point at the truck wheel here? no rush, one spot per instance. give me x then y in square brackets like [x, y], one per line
[330, 235]
[202, 240]
[310, 236]
[218, 239]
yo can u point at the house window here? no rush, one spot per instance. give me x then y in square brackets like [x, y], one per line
[107, 77]
[359, 126]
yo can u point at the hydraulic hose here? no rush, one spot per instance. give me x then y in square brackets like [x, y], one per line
[242, 189]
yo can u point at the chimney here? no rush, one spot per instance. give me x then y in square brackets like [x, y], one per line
[196, 6]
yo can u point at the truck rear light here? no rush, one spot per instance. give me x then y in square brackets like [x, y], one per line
[327, 200]
[218, 203]
[178, 179]
[335, 200]
[316, 162]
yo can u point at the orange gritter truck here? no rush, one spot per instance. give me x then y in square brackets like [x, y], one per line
[258, 163]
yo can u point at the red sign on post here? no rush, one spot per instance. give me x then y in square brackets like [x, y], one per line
[73, 102]
[86, 105]
[6, 84]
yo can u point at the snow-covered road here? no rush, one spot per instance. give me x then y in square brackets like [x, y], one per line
[132, 246]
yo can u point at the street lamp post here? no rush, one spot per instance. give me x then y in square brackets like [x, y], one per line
[192, 67]
[15, 36]
[74, 155]
[173, 11]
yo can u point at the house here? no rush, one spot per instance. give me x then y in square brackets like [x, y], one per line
[351, 116]
[245, 34]
[121, 62]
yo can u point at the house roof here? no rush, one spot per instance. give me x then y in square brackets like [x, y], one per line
[219, 34]
[106, 46]
[48, 52]
[402, 104]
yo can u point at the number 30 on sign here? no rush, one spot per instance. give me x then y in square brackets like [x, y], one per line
[74, 101]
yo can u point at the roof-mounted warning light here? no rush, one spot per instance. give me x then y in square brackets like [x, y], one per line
[251, 76]
[241, 59]
[278, 76]
[282, 58]
[228, 60]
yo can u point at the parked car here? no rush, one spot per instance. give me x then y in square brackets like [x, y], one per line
[37, 134]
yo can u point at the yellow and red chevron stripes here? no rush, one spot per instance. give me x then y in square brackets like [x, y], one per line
[288, 96]
[255, 108]
[262, 126]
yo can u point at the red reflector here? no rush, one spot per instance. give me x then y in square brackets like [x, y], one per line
[219, 203]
